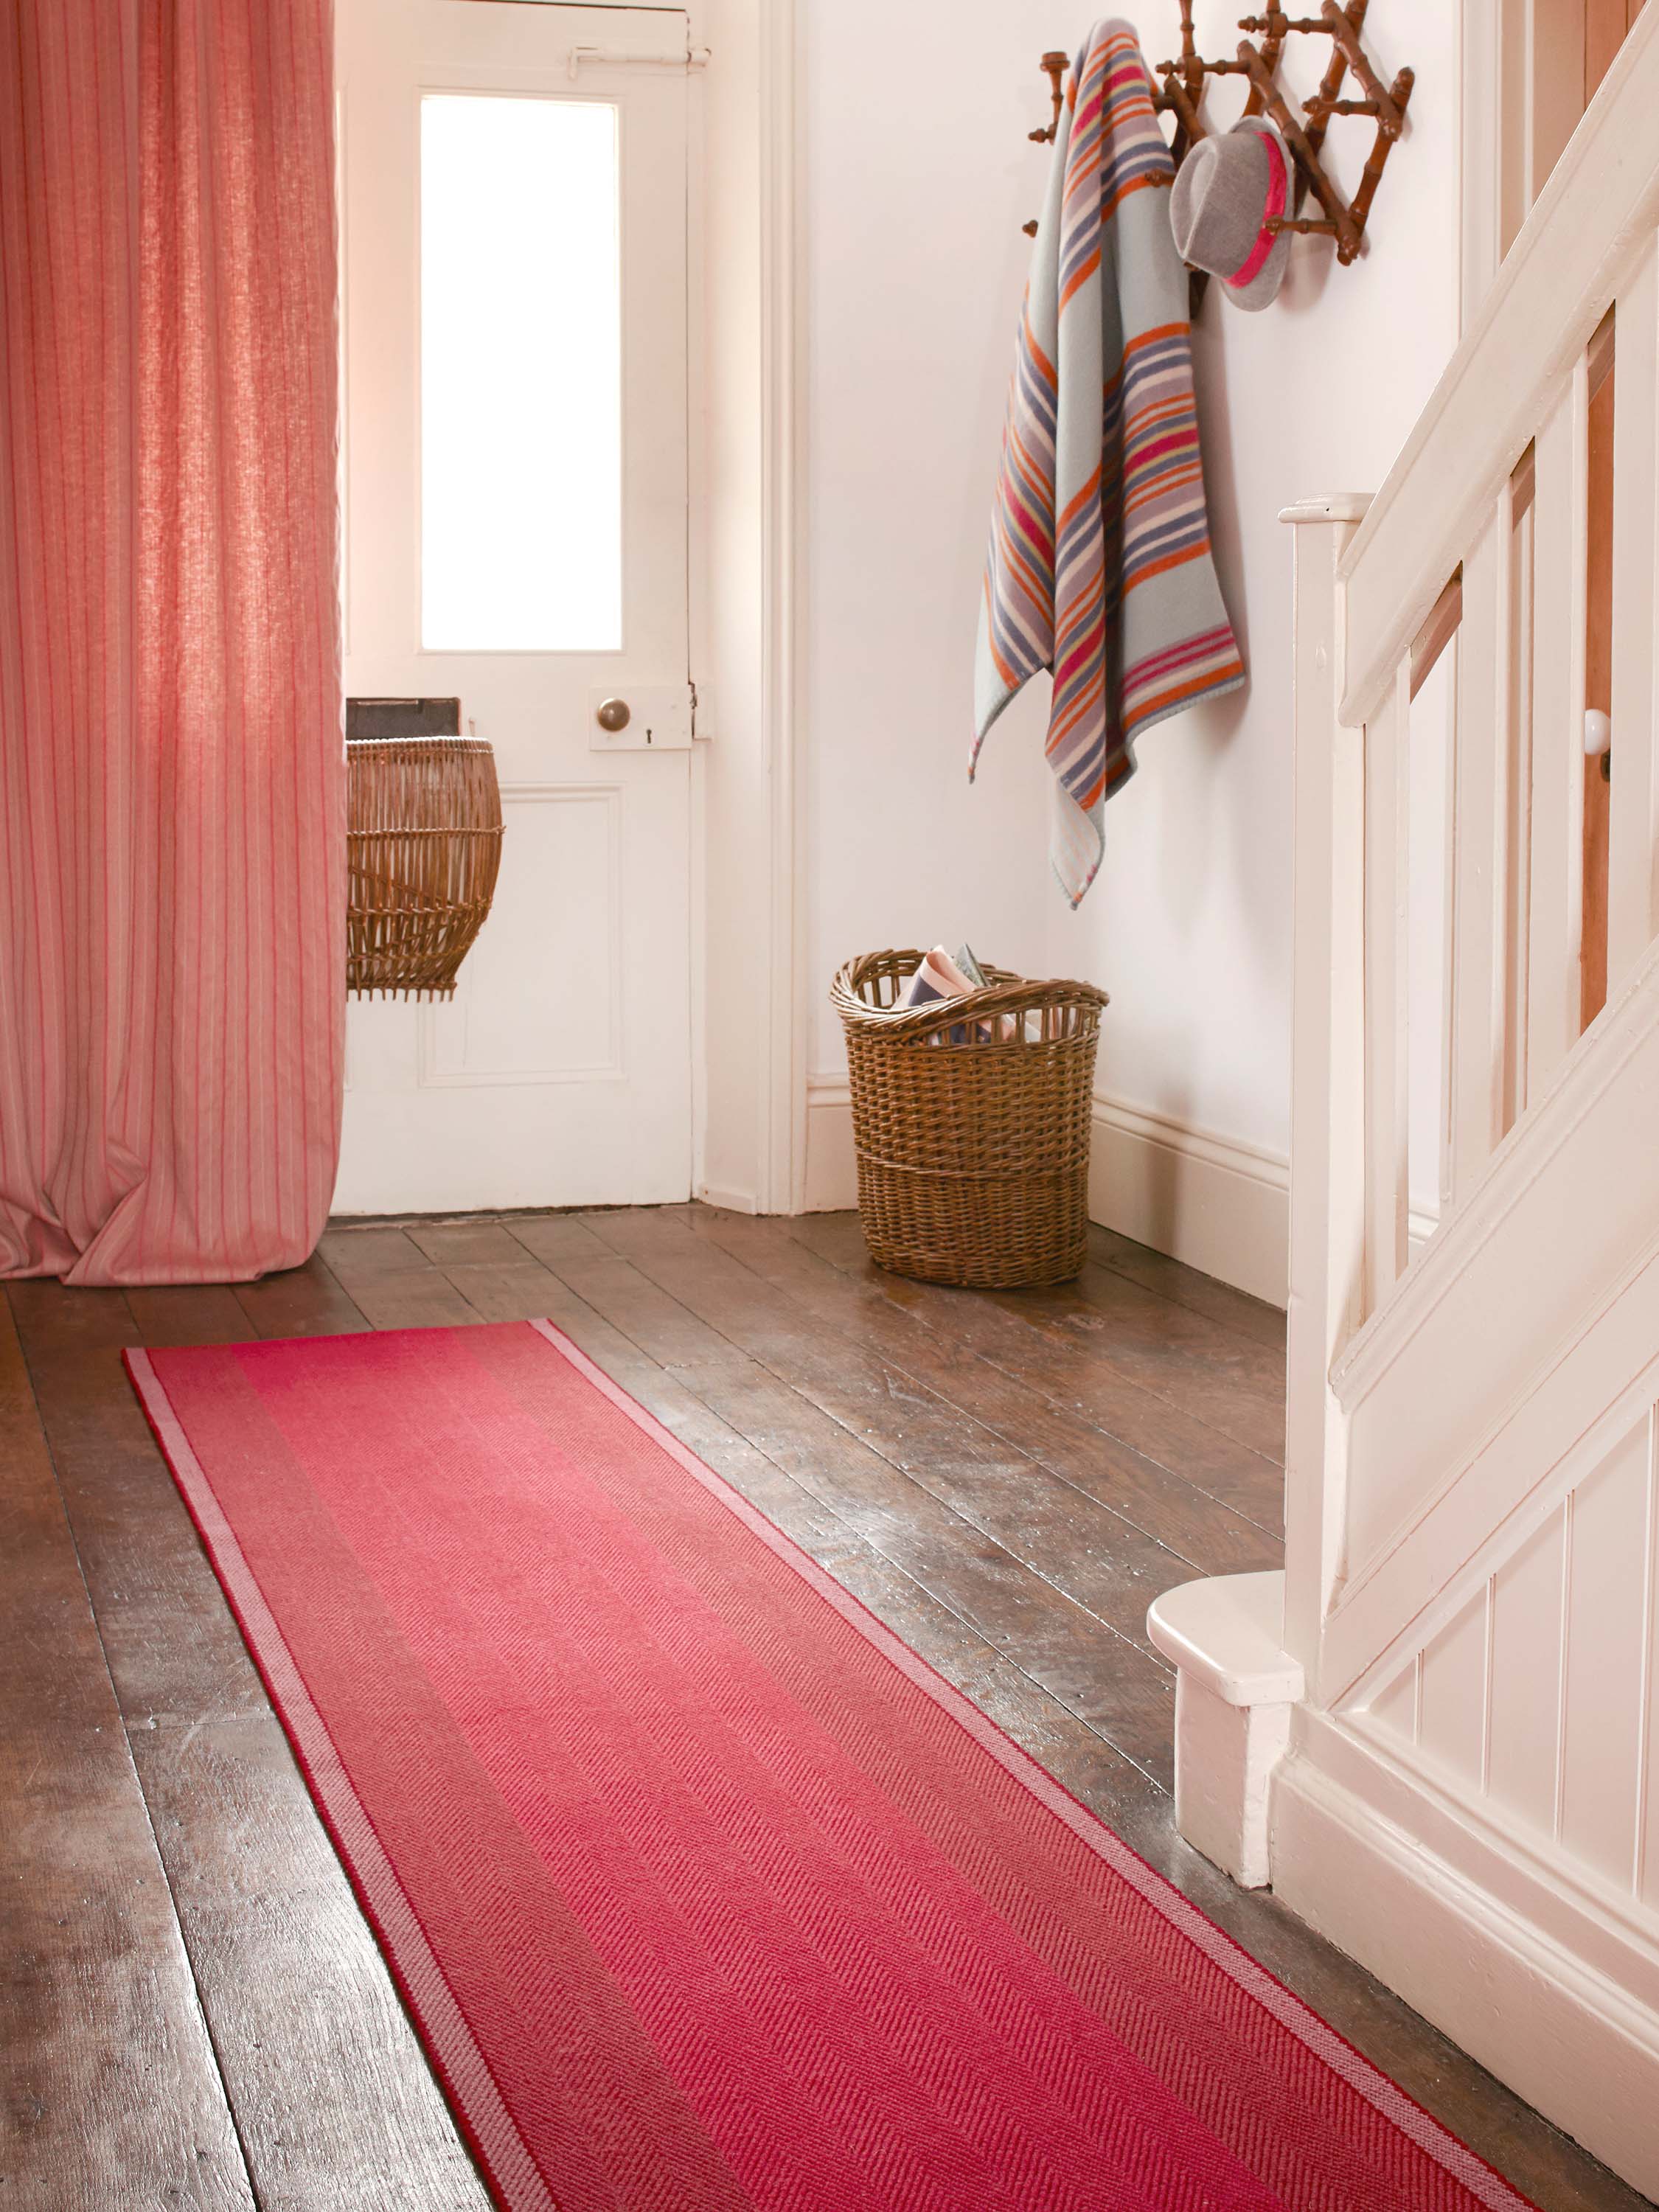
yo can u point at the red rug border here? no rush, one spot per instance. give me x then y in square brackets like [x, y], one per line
[513, 2175]
[505, 2160]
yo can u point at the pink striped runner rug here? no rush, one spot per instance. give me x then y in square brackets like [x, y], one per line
[705, 1892]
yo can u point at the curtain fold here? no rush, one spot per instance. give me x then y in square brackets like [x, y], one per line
[171, 758]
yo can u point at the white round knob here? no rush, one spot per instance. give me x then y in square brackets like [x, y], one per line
[1598, 733]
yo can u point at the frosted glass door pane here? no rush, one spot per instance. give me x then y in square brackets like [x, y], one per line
[520, 376]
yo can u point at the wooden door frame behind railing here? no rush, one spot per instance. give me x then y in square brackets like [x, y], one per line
[1528, 71]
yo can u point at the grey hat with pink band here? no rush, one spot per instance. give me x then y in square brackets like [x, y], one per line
[1227, 193]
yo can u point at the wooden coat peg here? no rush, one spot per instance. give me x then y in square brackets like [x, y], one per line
[1180, 93]
[1054, 66]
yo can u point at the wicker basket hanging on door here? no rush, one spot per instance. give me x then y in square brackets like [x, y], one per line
[424, 845]
[971, 1120]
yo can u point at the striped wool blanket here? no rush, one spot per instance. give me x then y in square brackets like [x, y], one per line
[1100, 567]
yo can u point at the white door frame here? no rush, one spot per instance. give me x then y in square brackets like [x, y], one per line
[748, 985]
[749, 980]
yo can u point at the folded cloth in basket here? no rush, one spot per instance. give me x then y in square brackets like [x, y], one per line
[939, 977]
[942, 976]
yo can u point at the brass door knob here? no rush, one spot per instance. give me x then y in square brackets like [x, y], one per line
[614, 715]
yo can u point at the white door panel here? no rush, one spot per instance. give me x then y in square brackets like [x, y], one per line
[560, 1073]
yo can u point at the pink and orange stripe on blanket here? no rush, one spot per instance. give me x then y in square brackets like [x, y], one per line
[1100, 565]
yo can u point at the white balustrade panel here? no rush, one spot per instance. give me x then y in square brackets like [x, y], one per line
[1538, 1703]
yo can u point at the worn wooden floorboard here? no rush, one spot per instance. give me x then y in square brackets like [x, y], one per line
[890, 1429]
[1206, 1537]
[467, 1244]
[1057, 1343]
[391, 1281]
[337, 2108]
[307, 1301]
[109, 2091]
[1096, 1558]
[1223, 1378]
[1185, 1286]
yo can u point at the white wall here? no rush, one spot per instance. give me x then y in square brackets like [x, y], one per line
[917, 177]
[915, 267]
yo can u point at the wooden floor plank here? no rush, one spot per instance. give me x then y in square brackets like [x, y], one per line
[392, 1281]
[1185, 1286]
[420, 1297]
[426, 1300]
[1221, 1377]
[555, 1237]
[465, 1243]
[308, 1301]
[1093, 1555]
[370, 1249]
[186, 1313]
[520, 1290]
[1210, 1537]
[333, 2100]
[109, 2089]
[1057, 1343]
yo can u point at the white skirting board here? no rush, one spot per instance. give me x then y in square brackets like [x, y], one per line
[727, 1197]
[1463, 1944]
[1220, 1206]
[832, 1174]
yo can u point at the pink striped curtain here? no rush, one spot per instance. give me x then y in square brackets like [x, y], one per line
[171, 772]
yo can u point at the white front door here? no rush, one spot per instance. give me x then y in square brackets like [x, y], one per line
[513, 213]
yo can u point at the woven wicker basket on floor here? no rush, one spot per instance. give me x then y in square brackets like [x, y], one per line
[973, 1156]
[424, 844]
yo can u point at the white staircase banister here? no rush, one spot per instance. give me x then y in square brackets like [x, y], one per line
[1589, 224]
[1439, 1738]
[1327, 1054]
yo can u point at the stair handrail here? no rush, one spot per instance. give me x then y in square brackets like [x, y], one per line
[1557, 280]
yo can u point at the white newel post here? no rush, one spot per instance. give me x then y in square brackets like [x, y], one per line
[1327, 1073]
[1235, 1687]
[1247, 1647]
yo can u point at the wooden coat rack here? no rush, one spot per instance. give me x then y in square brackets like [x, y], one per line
[1182, 94]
